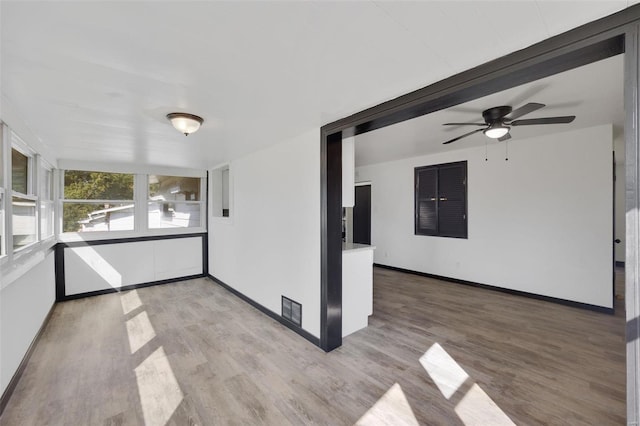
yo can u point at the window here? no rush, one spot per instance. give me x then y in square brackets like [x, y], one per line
[24, 221]
[441, 200]
[46, 201]
[221, 192]
[3, 238]
[174, 202]
[225, 192]
[20, 168]
[97, 201]
[23, 200]
[26, 198]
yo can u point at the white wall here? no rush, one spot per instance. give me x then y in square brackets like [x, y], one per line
[24, 304]
[99, 267]
[539, 223]
[270, 246]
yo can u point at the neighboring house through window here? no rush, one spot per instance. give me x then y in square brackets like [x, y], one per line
[174, 202]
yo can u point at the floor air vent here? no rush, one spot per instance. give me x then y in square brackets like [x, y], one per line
[292, 311]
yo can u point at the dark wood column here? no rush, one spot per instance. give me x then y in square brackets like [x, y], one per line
[331, 244]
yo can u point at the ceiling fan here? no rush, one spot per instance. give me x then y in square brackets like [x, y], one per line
[498, 121]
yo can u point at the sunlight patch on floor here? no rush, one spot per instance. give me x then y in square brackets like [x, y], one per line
[140, 331]
[444, 370]
[130, 301]
[391, 409]
[160, 393]
[476, 408]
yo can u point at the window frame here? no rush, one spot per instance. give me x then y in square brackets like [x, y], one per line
[216, 193]
[4, 167]
[20, 146]
[44, 167]
[202, 202]
[140, 201]
[438, 199]
[101, 234]
[3, 228]
[15, 262]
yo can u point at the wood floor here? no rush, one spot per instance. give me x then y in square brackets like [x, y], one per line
[191, 353]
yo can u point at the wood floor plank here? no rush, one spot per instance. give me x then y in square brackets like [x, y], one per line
[191, 353]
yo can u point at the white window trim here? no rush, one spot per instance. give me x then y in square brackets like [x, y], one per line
[221, 219]
[3, 243]
[19, 145]
[42, 164]
[4, 169]
[96, 235]
[202, 202]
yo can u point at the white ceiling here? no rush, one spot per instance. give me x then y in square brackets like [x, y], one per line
[593, 93]
[94, 80]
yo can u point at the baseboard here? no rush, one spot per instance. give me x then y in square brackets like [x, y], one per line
[127, 288]
[6, 395]
[565, 302]
[310, 337]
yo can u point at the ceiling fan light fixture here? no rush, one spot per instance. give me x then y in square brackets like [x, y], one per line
[496, 131]
[184, 122]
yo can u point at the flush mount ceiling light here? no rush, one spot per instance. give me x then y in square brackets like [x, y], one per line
[184, 122]
[496, 131]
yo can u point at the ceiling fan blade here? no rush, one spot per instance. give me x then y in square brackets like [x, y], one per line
[525, 109]
[463, 136]
[547, 120]
[505, 137]
[464, 124]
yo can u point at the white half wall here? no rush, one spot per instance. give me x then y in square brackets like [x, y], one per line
[24, 305]
[100, 267]
[270, 246]
[539, 223]
[357, 289]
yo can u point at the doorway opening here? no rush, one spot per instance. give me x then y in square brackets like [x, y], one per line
[599, 40]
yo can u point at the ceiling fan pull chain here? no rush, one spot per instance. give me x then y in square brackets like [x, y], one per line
[486, 155]
[506, 145]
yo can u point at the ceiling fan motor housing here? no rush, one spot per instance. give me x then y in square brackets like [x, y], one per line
[495, 114]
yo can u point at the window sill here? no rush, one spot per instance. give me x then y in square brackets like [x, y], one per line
[33, 247]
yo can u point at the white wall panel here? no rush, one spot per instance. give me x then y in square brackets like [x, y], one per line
[539, 223]
[177, 258]
[99, 267]
[24, 304]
